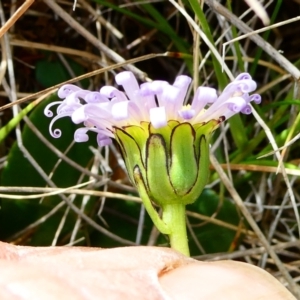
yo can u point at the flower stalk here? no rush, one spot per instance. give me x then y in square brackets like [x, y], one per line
[175, 219]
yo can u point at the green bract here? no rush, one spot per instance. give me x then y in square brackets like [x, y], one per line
[171, 163]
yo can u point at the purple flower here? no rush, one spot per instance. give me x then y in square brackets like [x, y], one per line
[156, 102]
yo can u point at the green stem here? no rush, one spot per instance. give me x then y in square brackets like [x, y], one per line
[174, 218]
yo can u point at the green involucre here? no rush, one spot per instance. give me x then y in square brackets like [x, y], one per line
[172, 163]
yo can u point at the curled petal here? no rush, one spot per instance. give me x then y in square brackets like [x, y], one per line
[236, 104]
[80, 135]
[239, 86]
[227, 108]
[158, 117]
[56, 133]
[243, 76]
[95, 97]
[108, 91]
[80, 94]
[65, 108]
[247, 110]
[66, 90]
[47, 111]
[256, 98]
[247, 86]
[112, 92]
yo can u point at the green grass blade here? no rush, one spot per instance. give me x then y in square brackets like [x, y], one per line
[4, 131]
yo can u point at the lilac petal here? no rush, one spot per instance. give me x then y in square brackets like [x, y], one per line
[246, 86]
[65, 108]
[56, 133]
[108, 91]
[156, 102]
[158, 117]
[100, 125]
[240, 86]
[170, 99]
[228, 108]
[187, 114]
[236, 104]
[148, 96]
[155, 87]
[182, 82]
[112, 92]
[137, 112]
[243, 76]
[129, 83]
[95, 97]
[91, 111]
[80, 135]
[247, 110]
[170, 94]
[103, 140]
[120, 110]
[234, 89]
[256, 98]
[128, 110]
[146, 89]
[47, 111]
[75, 97]
[79, 115]
[203, 96]
[66, 90]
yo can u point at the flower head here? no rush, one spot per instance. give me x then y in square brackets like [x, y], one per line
[156, 102]
[164, 142]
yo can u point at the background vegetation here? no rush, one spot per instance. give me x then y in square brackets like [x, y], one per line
[57, 192]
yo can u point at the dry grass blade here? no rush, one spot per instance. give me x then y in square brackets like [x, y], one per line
[87, 75]
[255, 32]
[286, 64]
[80, 29]
[243, 253]
[203, 36]
[55, 191]
[259, 168]
[259, 10]
[64, 50]
[293, 286]
[18, 13]
[292, 141]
